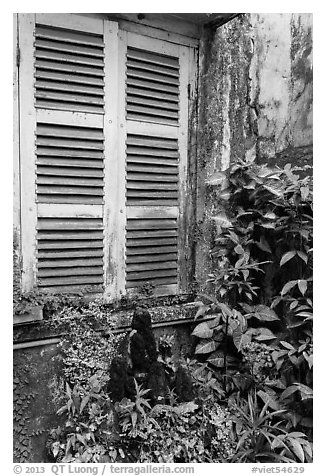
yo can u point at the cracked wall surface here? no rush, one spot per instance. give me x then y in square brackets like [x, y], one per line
[255, 102]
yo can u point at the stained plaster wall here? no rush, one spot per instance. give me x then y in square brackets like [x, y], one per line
[255, 102]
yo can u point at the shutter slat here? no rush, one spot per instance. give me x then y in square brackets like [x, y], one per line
[64, 78]
[153, 77]
[152, 250]
[151, 233]
[152, 160]
[62, 56]
[69, 280]
[56, 86]
[152, 67]
[150, 85]
[69, 106]
[152, 178]
[152, 170]
[151, 151]
[52, 198]
[73, 162]
[147, 111]
[66, 172]
[68, 36]
[68, 263]
[71, 236]
[155, 266]
[58, 245]
[69, 68]
[66, 97]
[66, 190]
[65, 153]
[151, 258]
[152, 103]
[150, 194]
[151, 242]
[133, 187]
[72, 181]
[84, 133]
[152, 142]
[69, 223]
[73, 143]
[61, 272]
[164, 96]
[148, 274]
[58, 254]
[61, 46]
[150, 57]
[150, 224]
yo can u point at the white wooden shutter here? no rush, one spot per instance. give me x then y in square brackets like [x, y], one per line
[155, 136]
[64, 91]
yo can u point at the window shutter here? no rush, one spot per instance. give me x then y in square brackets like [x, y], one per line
[156, 108]
[64, 93]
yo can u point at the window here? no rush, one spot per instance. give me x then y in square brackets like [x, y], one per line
[103, 117]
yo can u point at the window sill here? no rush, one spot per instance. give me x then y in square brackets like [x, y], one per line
[34, 315]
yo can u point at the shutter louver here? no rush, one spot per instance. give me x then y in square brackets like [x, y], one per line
[152, 251]
[152, 87]
[152, 171]
[69, 253]
[69, 164]
[69, 70]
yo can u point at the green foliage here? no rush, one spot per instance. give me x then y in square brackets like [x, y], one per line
[262, 435]
[89, 428]
[179, 432]
[89, 343]
[259, 335]
[50, 303]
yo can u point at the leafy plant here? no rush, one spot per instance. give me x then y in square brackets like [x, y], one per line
[263, 437]
[89, 428]
[257, 333]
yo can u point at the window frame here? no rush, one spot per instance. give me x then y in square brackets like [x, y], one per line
[115, 127]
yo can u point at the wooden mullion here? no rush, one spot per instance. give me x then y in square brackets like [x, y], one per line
[114, 181]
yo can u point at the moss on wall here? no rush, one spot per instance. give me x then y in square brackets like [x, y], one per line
[35, 371]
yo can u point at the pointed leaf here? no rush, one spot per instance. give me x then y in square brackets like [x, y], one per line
[287, 257]
[268, 399]
[288, 286]
[297, 449]
[265, 313]
[203, 331]
[202, 311]
[217, 178]
[222, 221]
[264, 334]
[263, 245]
[288, 391]
[302, 285]
[237, 335]
[206, 347]
[287, 345]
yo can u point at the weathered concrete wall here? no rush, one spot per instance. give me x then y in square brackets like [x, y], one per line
[37, 374]
[255, 101]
